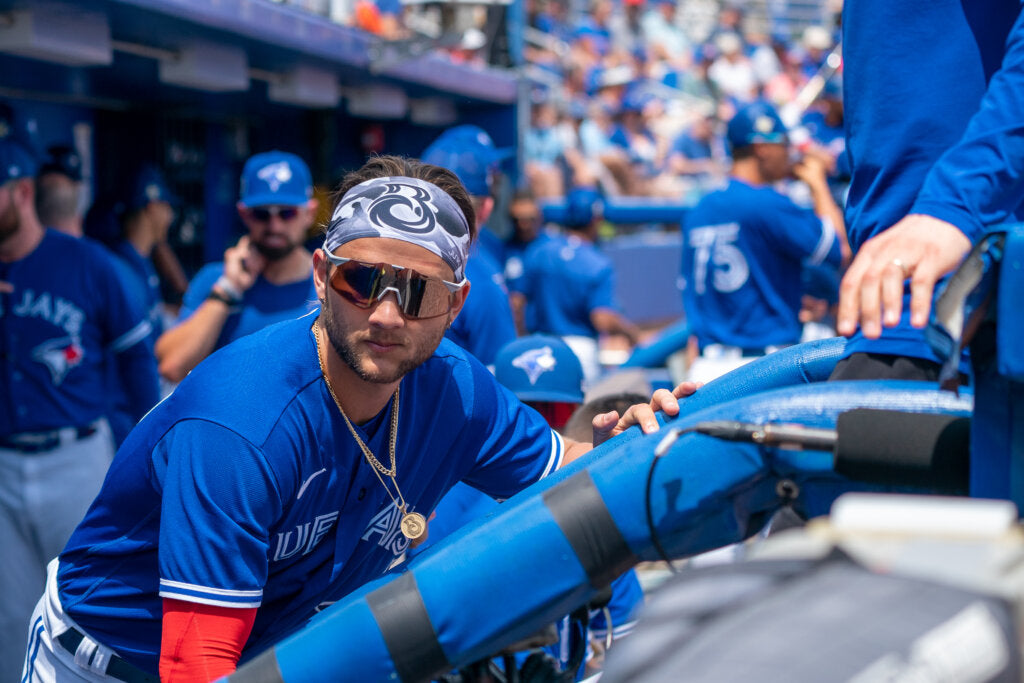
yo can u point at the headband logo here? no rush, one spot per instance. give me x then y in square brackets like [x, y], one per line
[535, 362]
[275, 175]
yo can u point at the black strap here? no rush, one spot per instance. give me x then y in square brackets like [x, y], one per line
[117, 668]
[581, 514]
[407, 631]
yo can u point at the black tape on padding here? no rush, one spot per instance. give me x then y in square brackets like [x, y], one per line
[262, 669]
[581, 514]
[904, 449]
[407, 631]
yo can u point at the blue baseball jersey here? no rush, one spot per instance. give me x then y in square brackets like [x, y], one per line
[68, 319]
[743, 251]
[485, 323]
[564, 280]
[245, 488]
[932, 97]
[263, 304]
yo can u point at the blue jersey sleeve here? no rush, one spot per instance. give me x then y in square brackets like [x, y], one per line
[515, 446]
[220, 498]
[980, 181]
[199, 288]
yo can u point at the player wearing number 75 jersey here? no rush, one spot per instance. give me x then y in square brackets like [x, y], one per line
[744, 246]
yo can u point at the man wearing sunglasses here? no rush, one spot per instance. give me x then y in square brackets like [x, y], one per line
[299, 462]
[265, 278]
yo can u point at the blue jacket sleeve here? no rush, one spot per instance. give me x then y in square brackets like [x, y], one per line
[980, 181]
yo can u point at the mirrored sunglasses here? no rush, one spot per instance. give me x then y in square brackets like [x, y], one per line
[364, 284]
[264, 213]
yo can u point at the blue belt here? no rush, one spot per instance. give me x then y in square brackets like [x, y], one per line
[116, 668]
[43, 442]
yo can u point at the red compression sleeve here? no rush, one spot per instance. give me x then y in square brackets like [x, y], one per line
[202, 642]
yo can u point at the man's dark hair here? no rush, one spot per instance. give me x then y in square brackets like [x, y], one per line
[579, 427]
[744, 152]
[390, 165]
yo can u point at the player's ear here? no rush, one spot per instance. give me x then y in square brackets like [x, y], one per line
[460, 301]
[320, 273]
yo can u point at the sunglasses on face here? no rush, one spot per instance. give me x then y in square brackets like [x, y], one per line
[263, 214]
[364, 284]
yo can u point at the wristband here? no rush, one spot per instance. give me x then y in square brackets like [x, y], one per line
[222, 297]
[229, 288]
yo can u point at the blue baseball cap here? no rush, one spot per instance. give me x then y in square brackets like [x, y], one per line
[63, 159]
[16, 159]
[150, 186]
[540, 368]
[754, 123]
[468, 152]
[580, 205]
[275, 178]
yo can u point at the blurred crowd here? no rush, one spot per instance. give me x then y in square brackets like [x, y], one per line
[634, 97]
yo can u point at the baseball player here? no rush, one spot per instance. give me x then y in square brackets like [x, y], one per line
[263, 279]
[745, 243]
[568, 285]
[933, 125]
[64, 318]
[149, 214]
[59, 191]
[299, 462]
[486, 323]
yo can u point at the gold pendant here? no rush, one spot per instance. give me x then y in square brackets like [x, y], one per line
[414, 525]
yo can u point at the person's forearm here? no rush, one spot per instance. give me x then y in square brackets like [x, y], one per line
[610, 322]
[574, 450]
[182, 347]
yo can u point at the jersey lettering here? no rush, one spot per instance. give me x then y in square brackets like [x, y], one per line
[714, 245]
[59, 311]
[306, 536]
[387, 524]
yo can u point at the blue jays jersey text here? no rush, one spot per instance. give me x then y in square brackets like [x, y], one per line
[67, 317]
[245, 488]
[743, 250]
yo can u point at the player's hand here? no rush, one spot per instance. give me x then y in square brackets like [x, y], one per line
[607, 425]
[811, 169]
[243, 264]
[918, 247]
[6, 287]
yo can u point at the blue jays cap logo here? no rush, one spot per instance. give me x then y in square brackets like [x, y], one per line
[275, 175]
[764, 124]
[535, 362]
[59, 356]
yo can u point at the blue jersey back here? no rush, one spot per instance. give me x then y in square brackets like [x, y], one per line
[564, 280]
[245, 488]
[743, 250]
[485, 323]
[68, 317]
[914, 75]
[263, 304]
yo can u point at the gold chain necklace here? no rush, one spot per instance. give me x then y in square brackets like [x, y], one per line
[413, 524]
